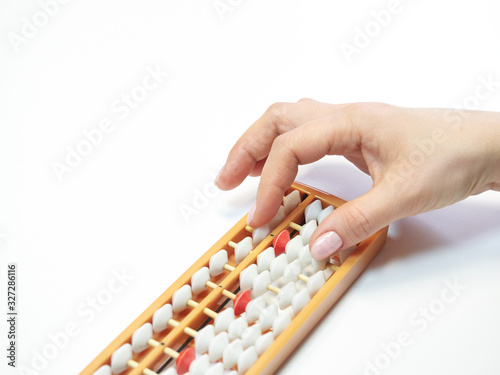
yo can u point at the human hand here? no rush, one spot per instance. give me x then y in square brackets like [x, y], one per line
[419, 160]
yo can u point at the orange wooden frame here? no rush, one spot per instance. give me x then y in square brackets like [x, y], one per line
[287, 341]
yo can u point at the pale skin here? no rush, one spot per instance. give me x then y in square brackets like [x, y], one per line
[419, 159]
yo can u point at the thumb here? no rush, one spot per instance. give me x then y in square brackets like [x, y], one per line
[353, 222]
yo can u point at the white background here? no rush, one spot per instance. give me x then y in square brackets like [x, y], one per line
[119, 209]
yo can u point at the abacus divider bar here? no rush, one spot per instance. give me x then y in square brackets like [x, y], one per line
[227, 283]
[151, 356]
[195, 317]
[225, 292]
[320, 303]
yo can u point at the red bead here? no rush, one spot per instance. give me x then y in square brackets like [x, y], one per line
[184, 360]
[241, 301]
[280, 241]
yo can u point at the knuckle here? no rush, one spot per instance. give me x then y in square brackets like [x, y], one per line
[283, 150]
[306, 100]
[278, 115]
[358, 223]
[277, 109]
[282, 142]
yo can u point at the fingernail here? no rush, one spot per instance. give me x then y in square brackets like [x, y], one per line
[326, 245]
[250, 213]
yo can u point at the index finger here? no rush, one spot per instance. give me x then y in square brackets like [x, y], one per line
[254, 145]
[308, 143]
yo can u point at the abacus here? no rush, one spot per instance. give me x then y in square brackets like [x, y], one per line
[246, 304]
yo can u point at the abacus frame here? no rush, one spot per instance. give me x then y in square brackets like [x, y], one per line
[290, 338]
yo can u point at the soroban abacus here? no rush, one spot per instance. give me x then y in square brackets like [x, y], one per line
[246, 304]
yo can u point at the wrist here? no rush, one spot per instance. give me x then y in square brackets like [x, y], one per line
[479, 140]
[495, 184]
[492, 145]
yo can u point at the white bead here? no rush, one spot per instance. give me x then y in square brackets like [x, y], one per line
[199, 280]
[217, 369]
[281, 322]
[120, 358]
[292, 248]
[307, 230]
[292, 271]
[141, 336]
[328, 272]
[305, 256]
[291, 201]
[181, 297]
[259, 234]
[231, 353]
[161, 317]
[318, 265]
[324, 213]
[237, 327]
[300, 300]
[267, 316]
[315, 283]
[247, 276]
[260, 284]
[246, 359]
[234, 372]
[200, 365]
[344, 254]
[203, 338]
[217, 346]
[170, 371]
[254, 307]
[217, 262]
[313, 210]
[264, 342]
[243, 249]
[286, 294]
[223, 319]
[103, 370]
[278, 266]
[264, 259]
[277, 219]
[250, 335]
